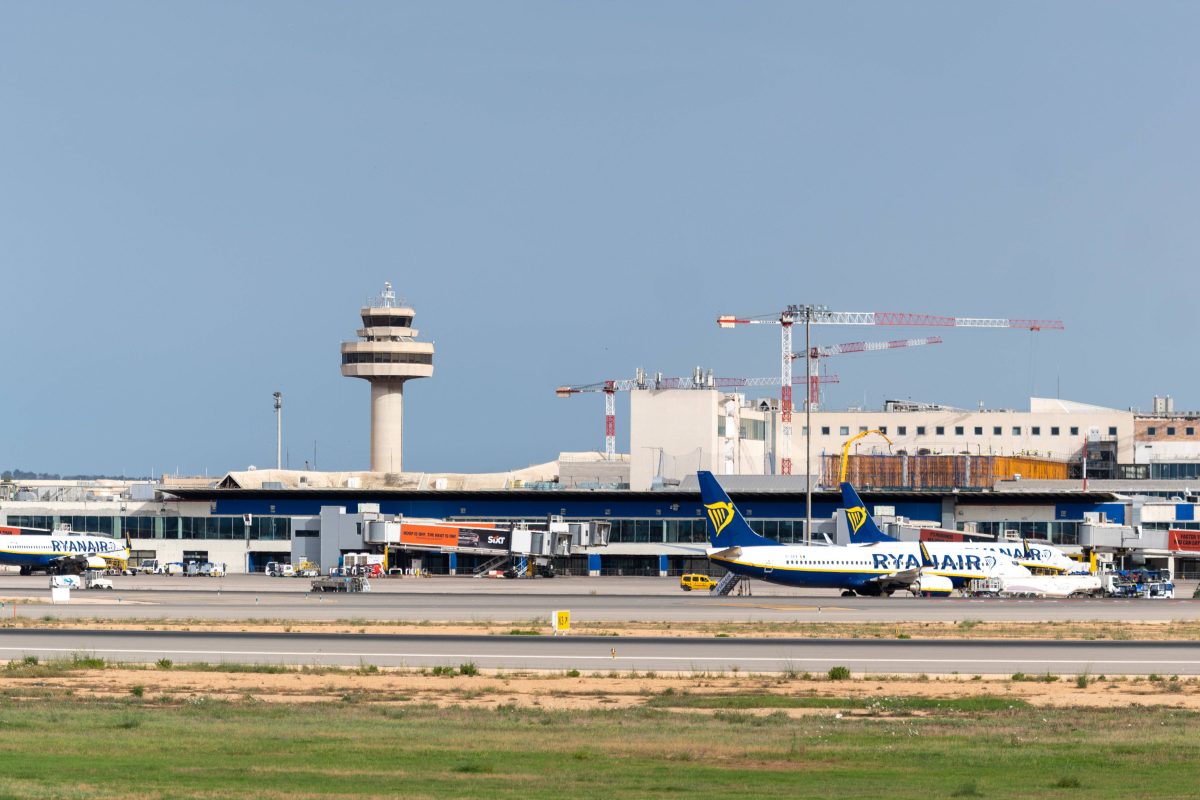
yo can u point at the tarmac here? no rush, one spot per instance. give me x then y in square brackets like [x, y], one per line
[606, 599]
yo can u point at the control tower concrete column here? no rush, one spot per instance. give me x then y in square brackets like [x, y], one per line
[387, 354]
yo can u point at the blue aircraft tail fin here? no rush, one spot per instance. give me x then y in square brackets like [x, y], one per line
[863, 529]
[725, 524]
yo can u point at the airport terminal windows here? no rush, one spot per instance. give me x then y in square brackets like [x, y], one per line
[902, 430]
[1036, 430]
[90, 524]
[979, 430]
[959, 430]
[1074, 430]
[824, 430]
[137, 527]
[1188, 471]
[940, 430]
[219, 528]
[1053, 532]
[1112, 430]
[920, 430]
[1016, 431]
[1054, 430]
[657, 531]
[844, 430]
[996, 430]
[1151, 431]
[31, 521]
[1170, 431]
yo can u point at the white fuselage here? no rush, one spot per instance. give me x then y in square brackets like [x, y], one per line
[39, 551]
[866, 566]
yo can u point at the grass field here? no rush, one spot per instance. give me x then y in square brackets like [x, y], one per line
[66, 747]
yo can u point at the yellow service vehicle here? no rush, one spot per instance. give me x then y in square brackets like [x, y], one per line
[695, 581]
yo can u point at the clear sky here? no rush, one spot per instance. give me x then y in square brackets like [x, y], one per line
[196, 198]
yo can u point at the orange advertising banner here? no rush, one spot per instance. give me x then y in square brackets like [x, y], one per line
[1183, 540]
[432, 535]
[10, 531]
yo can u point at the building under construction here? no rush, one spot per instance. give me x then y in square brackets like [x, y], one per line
[938, 472]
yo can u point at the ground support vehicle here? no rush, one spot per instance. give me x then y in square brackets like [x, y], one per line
[698, 582]
[93, 579]
[1151, 584]
[89, 579]
[1077, 585]
[341, 583]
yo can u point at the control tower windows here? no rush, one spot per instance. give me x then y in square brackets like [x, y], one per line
[386, 321]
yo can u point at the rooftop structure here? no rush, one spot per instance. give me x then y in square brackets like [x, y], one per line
[387, 354]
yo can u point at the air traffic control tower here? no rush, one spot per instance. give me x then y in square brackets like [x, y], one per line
[387, 355]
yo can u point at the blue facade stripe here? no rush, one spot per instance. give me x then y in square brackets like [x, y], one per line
[1185, 512]
[1114, 512]
[532, 508]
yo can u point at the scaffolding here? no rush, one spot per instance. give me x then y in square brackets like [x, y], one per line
[938, 472]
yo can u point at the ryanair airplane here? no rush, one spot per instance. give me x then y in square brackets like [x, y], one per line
[1043, 558]
[879, 568]
[60, 551]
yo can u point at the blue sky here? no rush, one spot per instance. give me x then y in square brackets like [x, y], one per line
[195, 199]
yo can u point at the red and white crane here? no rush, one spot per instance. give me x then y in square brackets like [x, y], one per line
[825, 351]
[699, 380]
[821, 315]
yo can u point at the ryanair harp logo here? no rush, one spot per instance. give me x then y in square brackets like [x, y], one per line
[721, 514]
[857, 516]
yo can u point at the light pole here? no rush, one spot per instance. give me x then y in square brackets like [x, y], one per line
[279, 430]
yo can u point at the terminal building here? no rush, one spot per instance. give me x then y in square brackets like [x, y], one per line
[946, 472]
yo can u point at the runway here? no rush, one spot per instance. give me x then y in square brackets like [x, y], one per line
[589, 600]
[599, 654]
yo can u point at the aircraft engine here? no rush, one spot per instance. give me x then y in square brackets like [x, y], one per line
[931, 585]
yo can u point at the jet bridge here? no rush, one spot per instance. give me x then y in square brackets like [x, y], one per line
[339, 533]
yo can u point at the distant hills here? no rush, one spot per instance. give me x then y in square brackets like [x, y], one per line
[24, 475]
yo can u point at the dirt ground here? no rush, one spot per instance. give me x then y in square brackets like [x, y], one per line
[558, 691]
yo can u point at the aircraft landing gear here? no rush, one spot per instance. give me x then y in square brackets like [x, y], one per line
[26, 570]
[847, 593]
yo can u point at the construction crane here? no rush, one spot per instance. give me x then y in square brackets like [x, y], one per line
[699, 380]
[825, 351]
[810, 315]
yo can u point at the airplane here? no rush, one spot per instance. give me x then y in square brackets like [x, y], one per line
[863, 530]
[875, 569]
[61, 551]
